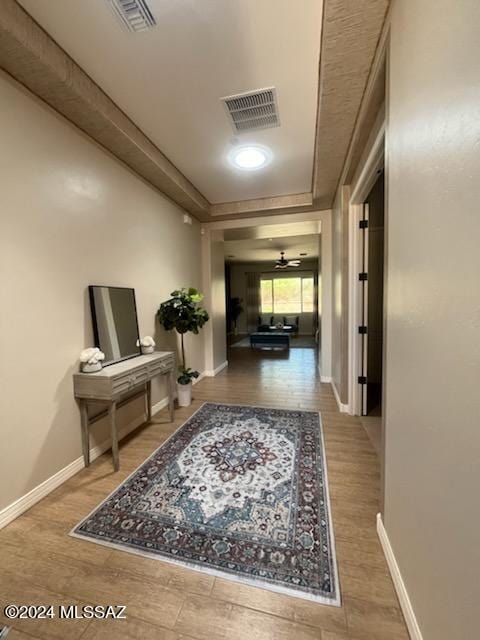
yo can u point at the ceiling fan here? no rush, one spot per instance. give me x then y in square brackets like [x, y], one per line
[283, 263]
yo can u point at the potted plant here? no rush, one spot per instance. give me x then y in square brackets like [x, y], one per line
[235, 309]
[183, 313]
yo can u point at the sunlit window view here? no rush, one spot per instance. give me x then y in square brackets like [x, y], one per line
[266, 296]
[287, 295]
[307, 295]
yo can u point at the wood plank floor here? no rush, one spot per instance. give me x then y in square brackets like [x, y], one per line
[41, 564]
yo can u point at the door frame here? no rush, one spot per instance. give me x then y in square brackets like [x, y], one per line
[374, 162]
[324, 219]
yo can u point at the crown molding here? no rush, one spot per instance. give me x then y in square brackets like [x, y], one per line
[275, 204]
[350, 35]
[372, 107]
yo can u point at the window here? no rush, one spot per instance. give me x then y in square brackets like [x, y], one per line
[307, 295]
[266, 296]
[287, 295]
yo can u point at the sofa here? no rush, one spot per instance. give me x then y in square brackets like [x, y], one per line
[293, 321]
[264, 323]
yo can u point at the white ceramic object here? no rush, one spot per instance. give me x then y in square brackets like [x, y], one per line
[184, 394]
[146, 344]
[91, 360]
[90, 368]
[147, 349]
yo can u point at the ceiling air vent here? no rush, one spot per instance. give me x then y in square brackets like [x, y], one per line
[253, 110]
[135, 15]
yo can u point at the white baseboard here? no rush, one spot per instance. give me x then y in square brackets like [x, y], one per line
[195, 380]
[16, 509]
[405, 604]
[343, 408]
[158, 406]
[326, 379]
[21, 505]
[211, 373]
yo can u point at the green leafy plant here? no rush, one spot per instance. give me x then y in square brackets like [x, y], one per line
[183, 313]
[186, 375]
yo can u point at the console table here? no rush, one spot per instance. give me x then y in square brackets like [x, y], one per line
[110, 384]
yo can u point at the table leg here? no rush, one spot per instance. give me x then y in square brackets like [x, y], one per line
[85, 433]
[113, 429]
[149, 400]
[171, 396]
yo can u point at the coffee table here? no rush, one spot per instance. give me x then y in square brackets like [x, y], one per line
[270, 339]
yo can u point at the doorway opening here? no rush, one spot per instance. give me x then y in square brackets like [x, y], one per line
[367, 224]
[272, 286]
[372, 227]
[298, 296]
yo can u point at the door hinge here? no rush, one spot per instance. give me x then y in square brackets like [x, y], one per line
[362, 276]
[363, 224]
[362, 379]
[362, 329]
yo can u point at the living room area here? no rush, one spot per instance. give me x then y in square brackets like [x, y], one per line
[272, 287]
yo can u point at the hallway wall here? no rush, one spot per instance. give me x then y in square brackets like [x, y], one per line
[71, 216]
[213, 268]
[340, 293]
[433, 311]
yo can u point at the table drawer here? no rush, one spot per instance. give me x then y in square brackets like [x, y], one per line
[129, 380]
[156, 368]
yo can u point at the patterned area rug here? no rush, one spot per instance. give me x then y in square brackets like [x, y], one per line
[237, 491]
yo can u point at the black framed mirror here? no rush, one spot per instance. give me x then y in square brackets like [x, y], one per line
[115, 322]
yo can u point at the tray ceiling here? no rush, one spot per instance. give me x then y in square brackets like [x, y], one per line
[170, 80]
[153, 98]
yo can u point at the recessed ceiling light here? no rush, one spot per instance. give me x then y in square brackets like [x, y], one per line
[303, 254]
[250, 157]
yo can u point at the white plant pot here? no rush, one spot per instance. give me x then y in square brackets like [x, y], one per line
[184, 394]
[90, 368]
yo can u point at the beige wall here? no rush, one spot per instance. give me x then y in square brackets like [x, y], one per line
[325, 298]
[213, 256]
[340, 293]
[70, 216]
[432, 458]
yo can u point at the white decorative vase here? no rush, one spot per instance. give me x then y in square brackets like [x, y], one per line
[184, 394]
[90, 368]
[148, 349]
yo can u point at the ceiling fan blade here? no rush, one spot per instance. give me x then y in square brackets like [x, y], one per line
[294, 263]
